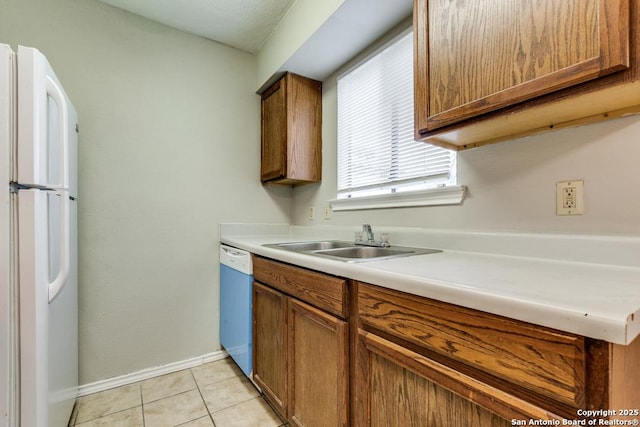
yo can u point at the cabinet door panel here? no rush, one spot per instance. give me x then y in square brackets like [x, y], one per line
[270, 344]
[397, 394]
[274, 133]
[474, 57]
[317, 367]
[401, 397]
[395, 386]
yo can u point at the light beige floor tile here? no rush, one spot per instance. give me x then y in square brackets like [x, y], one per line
[215, 371]
[128, 418]
[174, 410]
[226, 393]
[167, 385]
[107, 402]
[200, 422]
[254, 413]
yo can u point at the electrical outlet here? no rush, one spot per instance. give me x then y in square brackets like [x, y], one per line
[570, 197]
[311, 213]
[327, 211]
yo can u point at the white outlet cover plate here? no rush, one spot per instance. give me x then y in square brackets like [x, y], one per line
[327, 211]
[578, 209]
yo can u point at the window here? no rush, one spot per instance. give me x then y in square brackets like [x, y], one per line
[377, 154]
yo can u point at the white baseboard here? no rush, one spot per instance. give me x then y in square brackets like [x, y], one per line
[147, 373]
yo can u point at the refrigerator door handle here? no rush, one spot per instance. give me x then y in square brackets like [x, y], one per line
[56, 286]
[56, 93]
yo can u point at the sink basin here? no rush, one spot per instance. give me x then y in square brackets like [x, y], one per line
[348, 251]
[369, 253]
[311, 246]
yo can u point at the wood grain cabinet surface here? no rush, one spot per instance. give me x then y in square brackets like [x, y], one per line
[270, 345]
[443, 359]
[396, 386]
[318, 367]
[536, 359]
[291, 147]
[489, 71]
[301, 343]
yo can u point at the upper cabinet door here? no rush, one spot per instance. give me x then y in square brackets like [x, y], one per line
[477, 56]
[292, 131]
[274, 132]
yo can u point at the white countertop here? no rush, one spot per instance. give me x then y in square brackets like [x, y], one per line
[596, 300]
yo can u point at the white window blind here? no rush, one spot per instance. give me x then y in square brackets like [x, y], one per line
[377, 153]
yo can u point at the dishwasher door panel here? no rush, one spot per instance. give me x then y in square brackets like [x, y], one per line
[235, 316]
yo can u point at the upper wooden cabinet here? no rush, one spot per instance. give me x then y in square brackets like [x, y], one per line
[292, 131]
[488, 71]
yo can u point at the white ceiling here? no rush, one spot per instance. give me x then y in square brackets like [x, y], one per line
[243, 24]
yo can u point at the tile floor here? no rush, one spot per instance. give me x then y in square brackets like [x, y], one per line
[215, 394]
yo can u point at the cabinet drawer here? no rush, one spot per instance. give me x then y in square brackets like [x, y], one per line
[320, 290]
[546, 361]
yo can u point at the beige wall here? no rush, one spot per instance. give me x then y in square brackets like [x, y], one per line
[511, 184]
[169, 134]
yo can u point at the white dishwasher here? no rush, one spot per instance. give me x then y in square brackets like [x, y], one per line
[236, 279]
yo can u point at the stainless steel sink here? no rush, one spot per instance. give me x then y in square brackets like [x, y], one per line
[311, 246]
[368, 253]
[349, 252]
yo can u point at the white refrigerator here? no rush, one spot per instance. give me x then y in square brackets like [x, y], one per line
[38, 244]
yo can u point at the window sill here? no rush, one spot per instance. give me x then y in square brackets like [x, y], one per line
[450, 195]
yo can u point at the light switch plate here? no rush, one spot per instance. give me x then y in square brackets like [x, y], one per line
[570, 197]
[327, 211]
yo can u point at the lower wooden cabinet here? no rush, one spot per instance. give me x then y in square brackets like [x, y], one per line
[332, 352]
[301, 353]
[270, 345]
[318, 367]
[429, 363]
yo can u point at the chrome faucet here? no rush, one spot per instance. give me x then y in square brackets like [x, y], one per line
[366, 231]
[366, 237]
